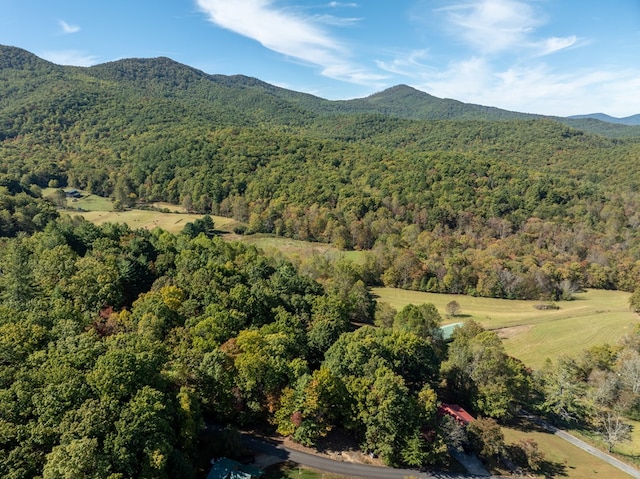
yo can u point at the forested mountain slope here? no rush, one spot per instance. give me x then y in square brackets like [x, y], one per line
[470, 200]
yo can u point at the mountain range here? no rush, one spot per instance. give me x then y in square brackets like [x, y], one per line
[354, 173]
[247, 99]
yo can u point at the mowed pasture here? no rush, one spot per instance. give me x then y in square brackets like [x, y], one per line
[167, 216]
[292, 248]
[595, 317]
[150, 219]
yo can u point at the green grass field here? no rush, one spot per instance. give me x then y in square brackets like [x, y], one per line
[88, 201]
[91, 203]
[99, 210]
[172, 218]
[562, 459]
[532, 335]
[295, 248]
[149, 219]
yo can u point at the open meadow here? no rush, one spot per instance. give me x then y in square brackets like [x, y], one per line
[293, 249]
[167, 216]
[150, 219]
[530, 334]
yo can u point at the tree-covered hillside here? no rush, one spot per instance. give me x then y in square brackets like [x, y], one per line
[514, 208]
[118, 345]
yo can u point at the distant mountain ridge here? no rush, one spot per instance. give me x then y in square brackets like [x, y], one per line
[248, 99]
[632, 120]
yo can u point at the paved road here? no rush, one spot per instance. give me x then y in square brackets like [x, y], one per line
[632, 471]
[343, 468]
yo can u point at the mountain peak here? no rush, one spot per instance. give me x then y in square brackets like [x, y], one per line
[143, 72]
[19, 59]
[399, 91]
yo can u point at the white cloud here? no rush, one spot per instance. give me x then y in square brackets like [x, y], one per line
[340, 4]
[492, 26]
[69, 57]
[536, 88]
[508, 64]
[554, 44]
[406, 64]
[68, 28]
[336, 21]
[288, 33]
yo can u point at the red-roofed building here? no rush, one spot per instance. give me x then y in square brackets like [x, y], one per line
[456, 412]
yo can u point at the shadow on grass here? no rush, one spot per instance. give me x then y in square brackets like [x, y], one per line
[517, 458]
[525, 425]
[291, 470]
[549, 469]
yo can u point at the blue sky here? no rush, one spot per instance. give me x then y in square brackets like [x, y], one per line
[558, 57]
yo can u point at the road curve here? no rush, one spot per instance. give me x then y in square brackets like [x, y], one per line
[343, 468]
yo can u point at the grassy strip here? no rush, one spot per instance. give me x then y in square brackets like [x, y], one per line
[631, 450]
[625, 451]
[293, 471]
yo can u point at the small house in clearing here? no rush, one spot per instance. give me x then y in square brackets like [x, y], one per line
[447, 330]
[456, 412]
[225, 468]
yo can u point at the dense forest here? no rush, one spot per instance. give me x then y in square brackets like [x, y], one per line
[117, 346]
[472, 200]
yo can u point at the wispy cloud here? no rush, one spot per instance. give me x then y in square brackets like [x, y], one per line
[503, 60]
[68, 28]
[336, 21]
[289, 33]
[535, 88]
[492, 26]
[554, 44]
[406, 64]
[341, 4]
[69, 57]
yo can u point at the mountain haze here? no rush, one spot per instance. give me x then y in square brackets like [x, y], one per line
[628, 120]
